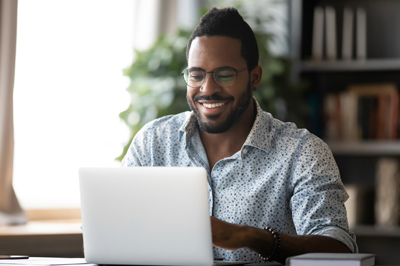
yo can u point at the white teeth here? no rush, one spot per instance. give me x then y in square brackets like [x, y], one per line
[212, 105]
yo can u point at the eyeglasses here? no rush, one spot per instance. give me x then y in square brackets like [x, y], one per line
[223, 76]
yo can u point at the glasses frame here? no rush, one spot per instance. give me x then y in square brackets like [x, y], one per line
[212, 72]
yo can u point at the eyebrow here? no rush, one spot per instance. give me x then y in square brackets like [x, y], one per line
[199, 68]
[196, 68]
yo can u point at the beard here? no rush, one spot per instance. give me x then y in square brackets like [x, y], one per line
[232, 118]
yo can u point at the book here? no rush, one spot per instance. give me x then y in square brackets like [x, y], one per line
[335, 113]
[361, 34]
[332, 259]
[344, 110]
[330, 19]
[318, 34]
[393, 116]
[372, 112]
[331, 115]
[387, 199]
[347, 38]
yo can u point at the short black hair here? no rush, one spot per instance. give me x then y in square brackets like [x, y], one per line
[228, 22]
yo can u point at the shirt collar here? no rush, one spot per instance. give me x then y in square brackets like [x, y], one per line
[189, 127]
[258, 136]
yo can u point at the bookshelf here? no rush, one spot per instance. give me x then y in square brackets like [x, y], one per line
[358, 159]
[379, 65]
[365, 148]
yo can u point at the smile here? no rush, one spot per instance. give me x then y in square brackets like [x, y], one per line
[212, 105]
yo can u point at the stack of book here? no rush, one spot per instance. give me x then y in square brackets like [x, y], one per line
[362, 112]
[353, 34]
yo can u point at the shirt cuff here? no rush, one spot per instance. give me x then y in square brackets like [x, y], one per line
[339, 234]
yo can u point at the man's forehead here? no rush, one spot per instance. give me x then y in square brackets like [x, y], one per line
[215, 48]
[216, 41]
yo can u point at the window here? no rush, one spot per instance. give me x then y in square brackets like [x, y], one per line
[69, 90]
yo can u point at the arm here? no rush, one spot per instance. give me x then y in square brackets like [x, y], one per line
[316, 198]
[232, 237]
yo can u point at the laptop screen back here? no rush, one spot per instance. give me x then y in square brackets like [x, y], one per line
[146, 215]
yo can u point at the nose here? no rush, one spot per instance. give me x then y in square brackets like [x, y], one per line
[209, 87]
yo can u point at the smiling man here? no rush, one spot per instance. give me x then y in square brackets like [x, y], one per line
[274, 190]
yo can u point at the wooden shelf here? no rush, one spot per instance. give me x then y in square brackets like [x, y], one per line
[354, 65]
[368, 148]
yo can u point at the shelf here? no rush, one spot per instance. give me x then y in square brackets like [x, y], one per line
[355, 65]
[376, 231]
[370, 148]
[359, 161]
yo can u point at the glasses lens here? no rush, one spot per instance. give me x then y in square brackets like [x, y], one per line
[193, 77]
[225, 76]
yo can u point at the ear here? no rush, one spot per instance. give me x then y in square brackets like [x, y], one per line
[255, 76]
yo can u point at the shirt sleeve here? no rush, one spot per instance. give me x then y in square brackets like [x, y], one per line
[318, 197]
[131, 158]
[136, 154]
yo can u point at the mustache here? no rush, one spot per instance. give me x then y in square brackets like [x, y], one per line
[214, 97]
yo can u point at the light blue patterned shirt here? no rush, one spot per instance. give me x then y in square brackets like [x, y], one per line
[282, 177]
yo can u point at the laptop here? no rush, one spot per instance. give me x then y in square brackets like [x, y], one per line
[146, 216]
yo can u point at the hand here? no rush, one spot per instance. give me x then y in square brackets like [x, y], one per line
[226, 235]
[232, 236]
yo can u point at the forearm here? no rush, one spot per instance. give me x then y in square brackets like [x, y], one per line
[261, 241]
[232, 236]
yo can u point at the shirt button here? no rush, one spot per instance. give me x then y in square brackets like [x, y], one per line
[244, 151]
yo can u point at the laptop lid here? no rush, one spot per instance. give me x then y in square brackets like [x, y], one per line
[146, 216]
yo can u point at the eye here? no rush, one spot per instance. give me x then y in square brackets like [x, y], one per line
[225, 75]
[196, 75]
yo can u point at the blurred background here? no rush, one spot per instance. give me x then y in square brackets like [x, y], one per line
[89, 74]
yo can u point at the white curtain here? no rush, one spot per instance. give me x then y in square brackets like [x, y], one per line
[10, 209]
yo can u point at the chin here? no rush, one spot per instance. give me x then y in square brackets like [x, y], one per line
[215, 127]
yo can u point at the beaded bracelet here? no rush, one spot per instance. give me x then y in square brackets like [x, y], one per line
[277, 244]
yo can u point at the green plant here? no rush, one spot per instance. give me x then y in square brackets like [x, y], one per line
[157, 88]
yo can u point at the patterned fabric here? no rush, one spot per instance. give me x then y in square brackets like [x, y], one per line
[283, 177]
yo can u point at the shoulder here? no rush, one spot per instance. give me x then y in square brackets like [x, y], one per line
[276, 133]
[288, 134]
[165, 124]
[155, 137]
[286, 140]
[280, 129]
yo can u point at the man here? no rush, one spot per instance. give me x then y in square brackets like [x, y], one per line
[275, 190]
